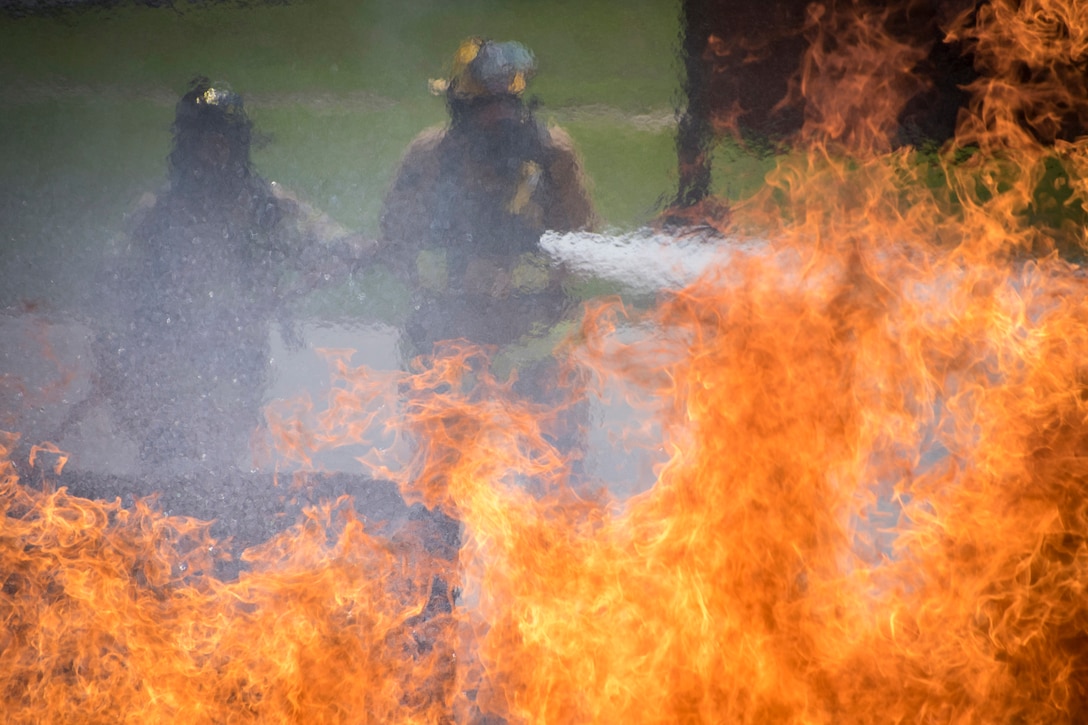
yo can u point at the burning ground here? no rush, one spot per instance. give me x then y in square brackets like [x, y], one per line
[873, 509]
[871, 504]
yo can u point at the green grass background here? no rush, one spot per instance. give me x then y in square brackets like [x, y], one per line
[337, 88]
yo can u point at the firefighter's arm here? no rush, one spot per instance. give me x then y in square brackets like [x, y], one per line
[321, 250]
[409, 205]
[313, 227]
[572, 209]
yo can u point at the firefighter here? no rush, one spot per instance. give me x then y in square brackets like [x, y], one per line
[470, 201]
[209, 265]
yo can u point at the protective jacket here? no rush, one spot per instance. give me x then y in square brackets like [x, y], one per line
[183, 349]
[463, 221]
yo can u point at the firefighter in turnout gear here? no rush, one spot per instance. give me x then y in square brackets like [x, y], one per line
[470, 201]
[208, 266]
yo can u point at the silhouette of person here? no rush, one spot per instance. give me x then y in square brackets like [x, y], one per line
[470, 201]
[210, 264]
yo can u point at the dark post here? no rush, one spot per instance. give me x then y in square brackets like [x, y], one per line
[695, 134]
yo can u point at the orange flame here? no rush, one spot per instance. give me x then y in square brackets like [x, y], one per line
[111, 615]
[872, 505]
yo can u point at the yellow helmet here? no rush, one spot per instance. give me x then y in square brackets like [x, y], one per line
[483, 68]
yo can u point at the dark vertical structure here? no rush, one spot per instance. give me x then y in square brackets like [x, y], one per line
[947, 68]
[742, 61]
[694, 134]
[739, 57]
